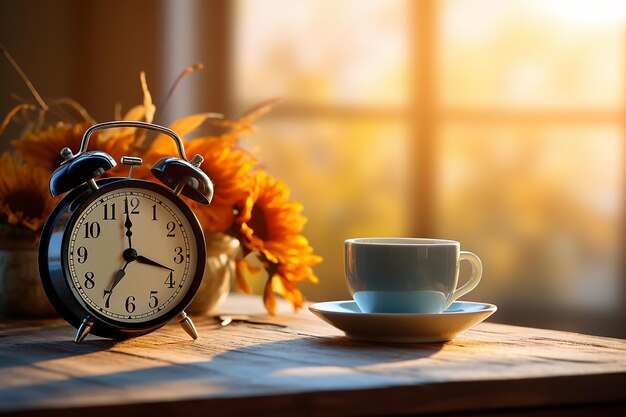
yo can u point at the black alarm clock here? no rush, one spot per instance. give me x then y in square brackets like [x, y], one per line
[120, 257]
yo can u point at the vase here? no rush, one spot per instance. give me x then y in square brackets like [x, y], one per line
[21, 292]
[219, 273]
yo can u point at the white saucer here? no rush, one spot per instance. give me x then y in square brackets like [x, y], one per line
[402, 328]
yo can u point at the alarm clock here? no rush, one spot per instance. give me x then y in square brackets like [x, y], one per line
[120, 257]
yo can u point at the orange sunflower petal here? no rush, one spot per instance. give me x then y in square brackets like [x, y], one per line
[228, 168]
[183, 127]
[243, 125]
[288, 290]
[147, 98]
[244, 269]
[268, 297]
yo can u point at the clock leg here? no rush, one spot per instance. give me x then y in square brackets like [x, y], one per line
[83, 329]
[187, 325]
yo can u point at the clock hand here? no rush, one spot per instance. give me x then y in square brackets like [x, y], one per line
[118, 277]
[144, 260]
[128, 224]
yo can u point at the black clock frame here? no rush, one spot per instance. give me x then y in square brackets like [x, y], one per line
[54, 271]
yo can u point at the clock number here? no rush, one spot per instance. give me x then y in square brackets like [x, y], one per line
[134, 205]
[82, 254]
[153, 298]
[130, 305]
[89, 282]
[170, 280]
[170, 230]
[179, 255]
[106, 212]
[92, 230]
[154, 212]
[107, 298]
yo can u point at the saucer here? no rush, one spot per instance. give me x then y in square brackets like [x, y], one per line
[402, 327]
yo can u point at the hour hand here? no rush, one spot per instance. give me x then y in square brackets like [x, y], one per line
[144, 260]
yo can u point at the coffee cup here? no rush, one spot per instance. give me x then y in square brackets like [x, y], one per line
[407, 275]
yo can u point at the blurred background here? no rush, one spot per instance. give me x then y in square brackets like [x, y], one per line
[498, 124]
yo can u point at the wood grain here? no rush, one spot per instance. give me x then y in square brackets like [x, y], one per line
[295, 364]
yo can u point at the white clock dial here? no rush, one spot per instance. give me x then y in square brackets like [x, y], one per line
[132, 255]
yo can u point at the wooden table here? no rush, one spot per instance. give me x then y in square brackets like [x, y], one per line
[297, 365]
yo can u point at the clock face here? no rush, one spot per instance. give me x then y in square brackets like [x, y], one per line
[132, 255]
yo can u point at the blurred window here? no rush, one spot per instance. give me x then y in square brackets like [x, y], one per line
[498, 124]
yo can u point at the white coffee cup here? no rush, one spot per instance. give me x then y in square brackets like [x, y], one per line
[407, 275]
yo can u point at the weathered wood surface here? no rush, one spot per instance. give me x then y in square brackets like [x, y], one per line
[295, 364]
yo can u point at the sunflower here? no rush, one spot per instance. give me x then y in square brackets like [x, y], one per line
[271, 225]
[229, 169]
[43, 148]
[24, 195]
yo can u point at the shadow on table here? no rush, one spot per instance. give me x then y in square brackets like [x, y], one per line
[294, 365]
[31, 344]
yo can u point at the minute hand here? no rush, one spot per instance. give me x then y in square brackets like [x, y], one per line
[128, 224]
[144, 260]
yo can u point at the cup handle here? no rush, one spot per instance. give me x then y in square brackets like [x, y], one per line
[477, 272]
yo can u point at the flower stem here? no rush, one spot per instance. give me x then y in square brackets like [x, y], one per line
[168, 96]
[24, 78]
